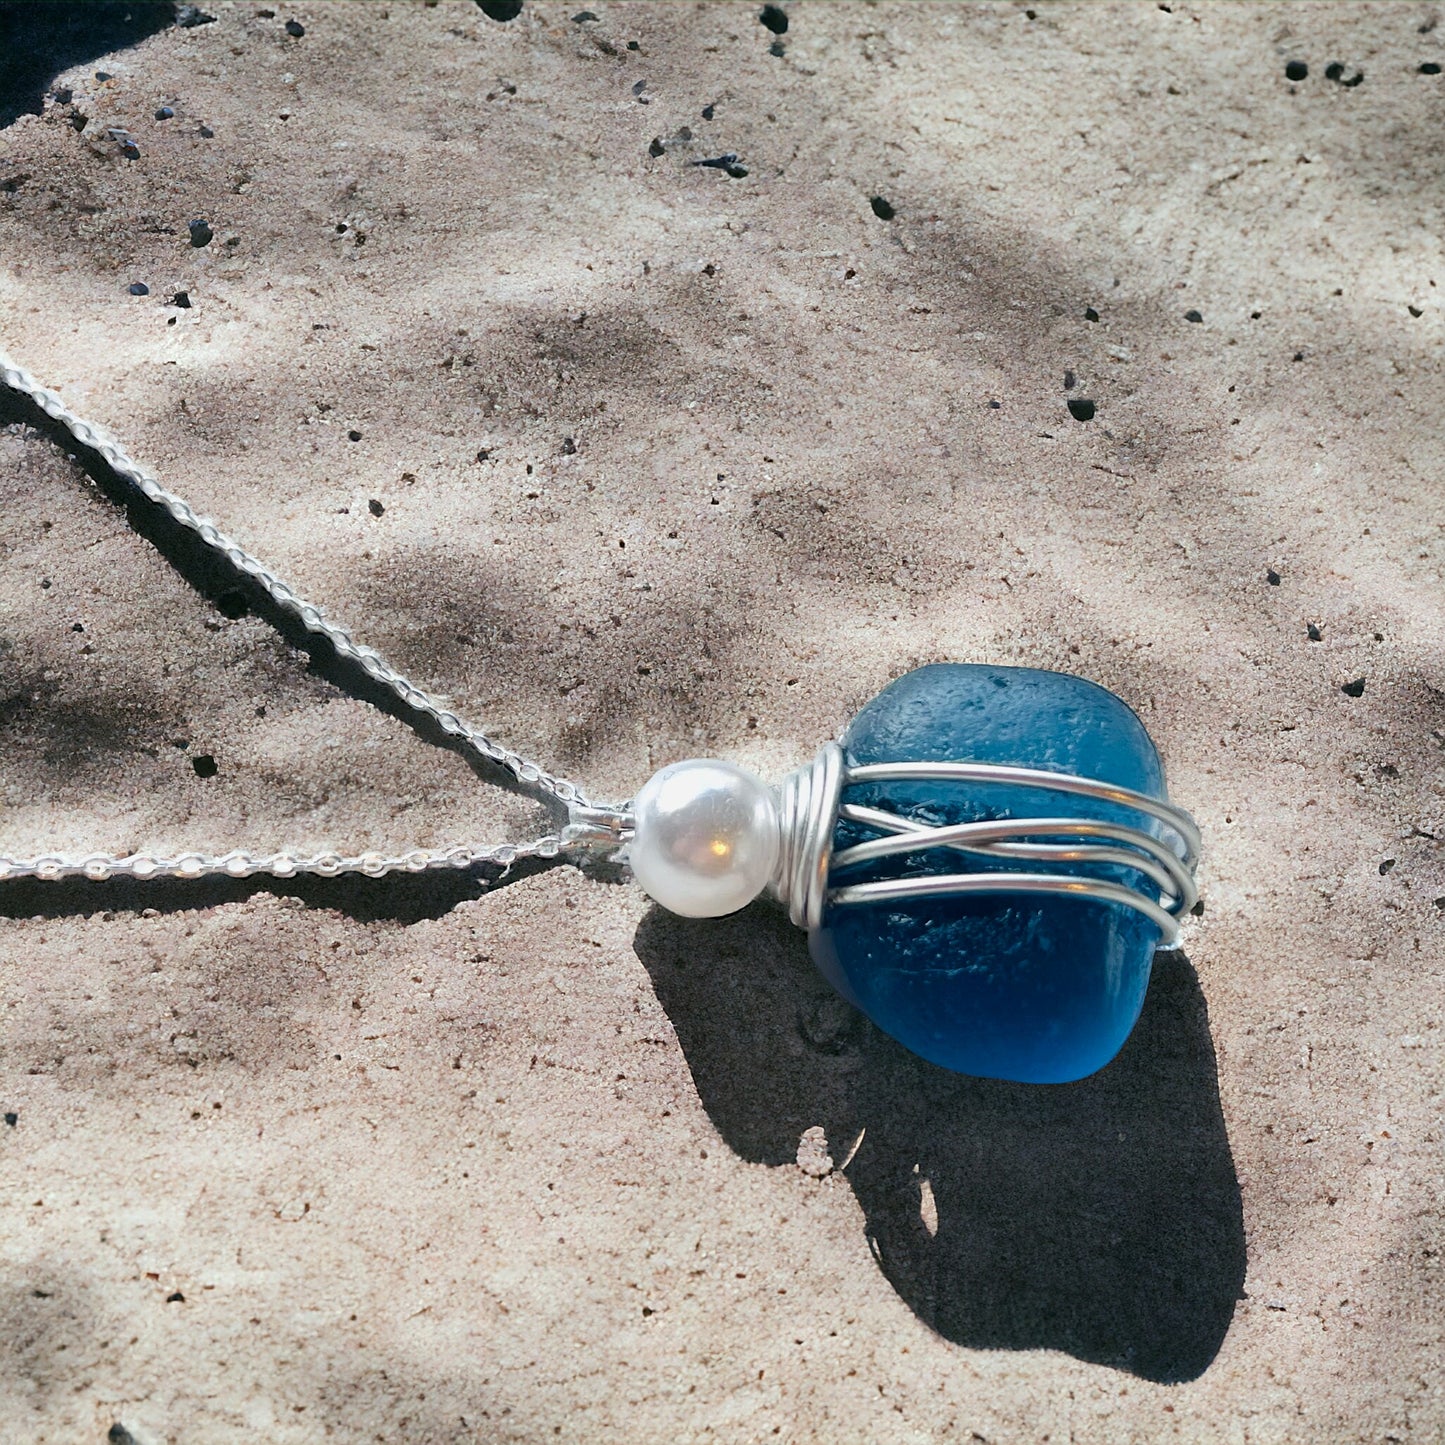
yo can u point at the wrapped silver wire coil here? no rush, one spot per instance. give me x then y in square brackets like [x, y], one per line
[810, 805]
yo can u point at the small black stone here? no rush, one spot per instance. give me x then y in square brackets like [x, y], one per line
[12, 1119]
[375, 507]
[1414, 310]
[1193, 316]
[63, 96]
[882, 209]
[205, 132]
[295, 29]
[1429, 67]
[176, 1299]
[774, 18]
[139, 288]
[569, 446]
[201, 233]
[165, 113]
[189, 16]
[656, 148]
[737, 172]
[582, 17]
[1312, 631]
[1090, 314]
[1355, 688]
[633, 45]
[119, 1435]
[777, 48]
[502, 10]
[718, 163]
[205, 766]
[1081, 409]
[1299, 356]
[1385, 866]
[353, 436]
[1334, 70]
[1272, 577]
[484, 454]
[1069, 380]
[1296, 70]
[182, 299]
[995, 405]
[130, 150]
[102, 76]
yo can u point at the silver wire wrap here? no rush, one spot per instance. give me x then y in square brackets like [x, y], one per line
[810, 805]
[591, 828]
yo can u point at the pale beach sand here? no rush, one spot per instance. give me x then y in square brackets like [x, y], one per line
[403, 1161]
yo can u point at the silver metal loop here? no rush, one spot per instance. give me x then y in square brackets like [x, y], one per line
[807, 813]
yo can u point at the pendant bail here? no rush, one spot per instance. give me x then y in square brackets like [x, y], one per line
[595, 830]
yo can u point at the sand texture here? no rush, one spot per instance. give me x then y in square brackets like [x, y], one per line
[634, 458]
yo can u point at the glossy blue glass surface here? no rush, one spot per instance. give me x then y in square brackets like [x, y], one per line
[1037, 989]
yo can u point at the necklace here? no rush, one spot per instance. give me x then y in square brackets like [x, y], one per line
[985, 863]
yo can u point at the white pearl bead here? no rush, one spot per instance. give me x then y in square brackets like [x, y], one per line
[706, 837]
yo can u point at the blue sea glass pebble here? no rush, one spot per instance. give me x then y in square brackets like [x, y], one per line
[1040, 989]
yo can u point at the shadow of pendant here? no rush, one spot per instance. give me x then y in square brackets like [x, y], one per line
[1101, 1218]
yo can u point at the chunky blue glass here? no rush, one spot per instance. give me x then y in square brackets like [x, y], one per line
[1034, 988]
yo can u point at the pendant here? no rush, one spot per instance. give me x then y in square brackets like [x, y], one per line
[985, 864]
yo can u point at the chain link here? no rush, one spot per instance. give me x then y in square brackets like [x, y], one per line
[240, 864]
[581, 835]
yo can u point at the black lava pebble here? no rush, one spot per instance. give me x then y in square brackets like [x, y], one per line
[175, 1298]
[353, 436]
[582, 17]
[375, 507]
[1272, 577]
[1193, 316]
[656, 148]
[882, 209]
[189, 16]
[1312, 631]
[1081, 409]
[201, 233]
[205, 766]
[139, 288]
[165, 113]
[1296, 70]
[182, 299]
[1355, 688]
[502, 10]
[1430, 68]
[295, 29]
[12, 1119]
[1090, 314]
[774, 18]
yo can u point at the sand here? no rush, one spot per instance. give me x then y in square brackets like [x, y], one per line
[408, 1161]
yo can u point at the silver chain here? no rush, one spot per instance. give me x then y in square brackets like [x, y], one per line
[590, 827]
